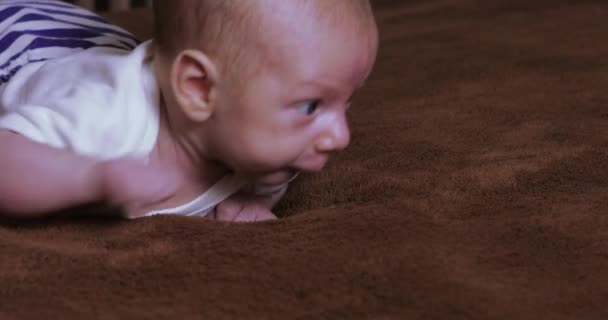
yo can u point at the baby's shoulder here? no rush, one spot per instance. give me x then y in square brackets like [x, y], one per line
[102, 77]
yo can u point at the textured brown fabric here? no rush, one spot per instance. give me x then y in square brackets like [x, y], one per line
[475, 188]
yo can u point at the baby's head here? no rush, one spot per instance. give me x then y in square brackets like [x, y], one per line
[262, 86]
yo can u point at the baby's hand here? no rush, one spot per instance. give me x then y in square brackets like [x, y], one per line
[134, 186]
[241, 208]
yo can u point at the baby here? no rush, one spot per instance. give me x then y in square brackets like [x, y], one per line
[213, 117]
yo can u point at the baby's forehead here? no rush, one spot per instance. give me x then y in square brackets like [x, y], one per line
[334, 66]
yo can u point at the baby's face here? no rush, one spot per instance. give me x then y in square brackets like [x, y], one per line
[291, 116]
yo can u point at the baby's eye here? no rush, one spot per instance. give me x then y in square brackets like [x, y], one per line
[309, 108]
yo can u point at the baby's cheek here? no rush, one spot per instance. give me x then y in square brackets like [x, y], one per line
[275, 153]
[255, 154]
[267, 151]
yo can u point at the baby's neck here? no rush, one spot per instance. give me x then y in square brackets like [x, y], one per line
[175, 149]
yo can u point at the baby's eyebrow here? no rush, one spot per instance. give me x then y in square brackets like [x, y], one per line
[333, 88]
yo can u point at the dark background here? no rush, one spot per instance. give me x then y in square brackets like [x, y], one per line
[102, 5]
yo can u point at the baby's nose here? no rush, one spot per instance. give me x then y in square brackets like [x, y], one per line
[336, 137]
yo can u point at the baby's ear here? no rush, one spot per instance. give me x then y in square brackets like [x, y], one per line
[193, 80]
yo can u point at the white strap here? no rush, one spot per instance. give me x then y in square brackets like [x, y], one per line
[205, 203]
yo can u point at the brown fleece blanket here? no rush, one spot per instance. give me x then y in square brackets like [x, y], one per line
[475, 188]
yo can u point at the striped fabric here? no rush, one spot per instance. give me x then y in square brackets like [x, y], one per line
[38, 30]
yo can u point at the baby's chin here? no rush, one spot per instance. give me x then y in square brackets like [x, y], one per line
[277, 177]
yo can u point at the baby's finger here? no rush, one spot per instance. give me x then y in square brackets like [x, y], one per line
[253, 213]
[228, 210]
[265, 215]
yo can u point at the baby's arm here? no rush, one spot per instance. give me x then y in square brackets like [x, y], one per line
[38, 179]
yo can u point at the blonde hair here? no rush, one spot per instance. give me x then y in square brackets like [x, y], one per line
[225, 28]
